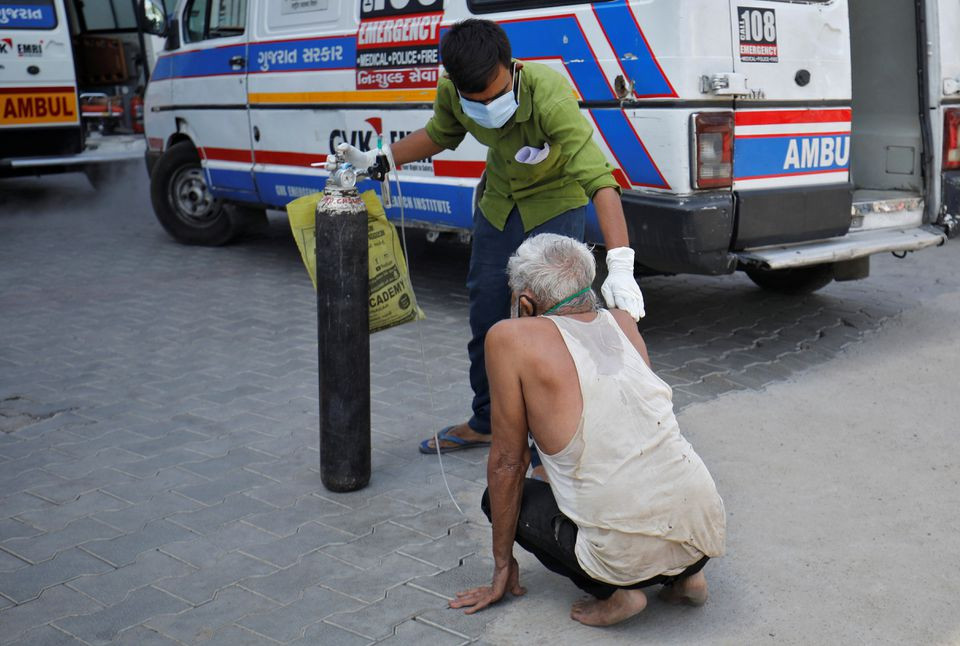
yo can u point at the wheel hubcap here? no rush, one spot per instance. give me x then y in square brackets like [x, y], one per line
[191, 198]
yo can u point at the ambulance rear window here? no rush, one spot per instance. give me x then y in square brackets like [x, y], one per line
[27, 14]
[108, 15]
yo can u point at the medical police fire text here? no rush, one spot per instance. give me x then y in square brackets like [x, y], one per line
[343, 337]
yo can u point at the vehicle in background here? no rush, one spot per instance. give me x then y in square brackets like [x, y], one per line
[788, 139]
[72, 77]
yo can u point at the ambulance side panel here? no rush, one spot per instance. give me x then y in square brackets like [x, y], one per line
[207, 81]
[38, 90]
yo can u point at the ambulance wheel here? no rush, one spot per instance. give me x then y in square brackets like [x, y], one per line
[183, 203]
[794, 281]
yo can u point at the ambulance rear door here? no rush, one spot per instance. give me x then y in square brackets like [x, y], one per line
[38, 88]
[945, 99]
[792, 120]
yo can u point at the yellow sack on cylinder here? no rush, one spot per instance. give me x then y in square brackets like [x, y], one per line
[392, 301]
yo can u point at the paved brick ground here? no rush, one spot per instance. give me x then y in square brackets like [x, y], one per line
[158, 453]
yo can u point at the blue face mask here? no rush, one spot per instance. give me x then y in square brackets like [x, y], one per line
[497, 112]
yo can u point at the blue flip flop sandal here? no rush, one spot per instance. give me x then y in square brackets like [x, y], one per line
[459, 443]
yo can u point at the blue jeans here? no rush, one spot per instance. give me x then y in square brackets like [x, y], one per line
[490, 293]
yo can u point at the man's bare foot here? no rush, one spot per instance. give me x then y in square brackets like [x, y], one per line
[464, 432]
[539, 473]
[691, 591]
[619, 607]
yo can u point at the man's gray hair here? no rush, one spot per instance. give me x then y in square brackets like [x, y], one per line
[552, 267]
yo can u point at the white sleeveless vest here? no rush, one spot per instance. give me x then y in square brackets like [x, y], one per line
[642, 499]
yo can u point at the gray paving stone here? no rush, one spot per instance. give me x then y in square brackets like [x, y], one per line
[435, 523]
[237, 481]
[13, 528]
[125, 549]
[285, 586]
[284, 522]
[172, 440]
[288, 622]
[330, 635]
[231, 509]
[115, 585]
[45, 546]
[201, 586]
[10, 562]
[371, 584]
[367, 551]
[146, 489]
[143, 636]
[362, 519]
[28, 582]
[28, 480]
[284, 494]
[197, 625]
[287, 551]
[133, 517]
[21, 502]
[419, 632]
[377, 620]
[238, 636]
[68, 490]
[143, 467]
[448, 551]
[474, 572]
[46, 636]
[204, 550]
[102, 627]
[53, 604]
[70, 467]
[85, 447]
[214, 468]
[59, 516]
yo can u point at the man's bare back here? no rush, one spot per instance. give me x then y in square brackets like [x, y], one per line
[548, 376]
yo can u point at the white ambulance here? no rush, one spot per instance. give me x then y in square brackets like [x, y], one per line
[790, 139]
[72, 75]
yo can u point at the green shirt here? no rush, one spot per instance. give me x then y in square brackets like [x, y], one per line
[549, 113]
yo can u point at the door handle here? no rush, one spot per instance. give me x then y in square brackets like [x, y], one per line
[237, 62]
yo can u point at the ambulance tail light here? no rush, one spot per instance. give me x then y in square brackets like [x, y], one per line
[136, 106]
[951, 139]
[712, 153]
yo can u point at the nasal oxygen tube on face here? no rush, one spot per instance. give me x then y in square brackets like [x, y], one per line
[385, 195]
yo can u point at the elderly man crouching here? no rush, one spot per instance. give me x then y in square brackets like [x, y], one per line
[629, 503]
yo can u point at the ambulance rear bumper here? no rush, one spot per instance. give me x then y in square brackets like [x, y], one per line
[681, 234]
[848, 247]
[120, 148]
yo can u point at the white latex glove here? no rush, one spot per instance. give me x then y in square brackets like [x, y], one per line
[620, 289]
[364, 160]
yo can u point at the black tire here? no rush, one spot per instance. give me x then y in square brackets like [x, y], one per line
[183, 203]
[795, 281]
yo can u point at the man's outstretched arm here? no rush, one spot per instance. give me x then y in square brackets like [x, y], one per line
[506, 464]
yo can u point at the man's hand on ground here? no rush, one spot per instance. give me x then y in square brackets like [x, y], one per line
[505, 578]
[620, 289]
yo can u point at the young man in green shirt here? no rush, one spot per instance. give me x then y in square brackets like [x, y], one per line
[543, 167]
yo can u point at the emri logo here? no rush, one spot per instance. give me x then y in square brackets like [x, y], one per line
[6, 45]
